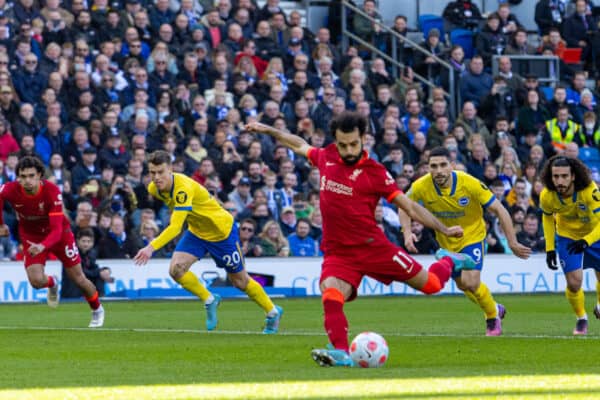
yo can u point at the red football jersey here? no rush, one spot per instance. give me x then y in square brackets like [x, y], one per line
[348, 197]
[39, 215]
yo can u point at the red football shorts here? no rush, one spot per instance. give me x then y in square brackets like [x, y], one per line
[382, 261]
[65, 250]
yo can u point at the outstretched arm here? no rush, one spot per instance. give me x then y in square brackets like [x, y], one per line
[506, 223]
[421, 214]
[293, 142]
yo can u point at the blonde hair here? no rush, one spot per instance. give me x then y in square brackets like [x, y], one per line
[280, 241]
[248, 97]
[149, 224]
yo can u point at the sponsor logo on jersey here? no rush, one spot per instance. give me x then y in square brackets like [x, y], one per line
[581, 206]
[335, 187]
[355, 174]
[463, 201]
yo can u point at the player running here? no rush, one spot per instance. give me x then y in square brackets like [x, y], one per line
[351, 186]
[458, 198]
[210, 229]
[570, 203]
[44, 229]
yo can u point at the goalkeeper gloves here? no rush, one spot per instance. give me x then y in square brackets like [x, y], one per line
[577, 246]
[551, 260]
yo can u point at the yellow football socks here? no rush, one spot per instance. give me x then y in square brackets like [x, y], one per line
[483, 297]
[258, 295]
[471, 296]
[597, 292]
[577, 300]
[190, 282]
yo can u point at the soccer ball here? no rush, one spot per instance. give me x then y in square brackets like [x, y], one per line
[369, 350]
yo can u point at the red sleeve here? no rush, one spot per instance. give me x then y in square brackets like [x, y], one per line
[55, 214]
[5, 195]
[313, 156]
[2, 187]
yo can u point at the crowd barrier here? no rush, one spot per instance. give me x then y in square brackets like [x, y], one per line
[288, 277]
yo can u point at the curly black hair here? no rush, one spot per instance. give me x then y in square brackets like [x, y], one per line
[583, 176]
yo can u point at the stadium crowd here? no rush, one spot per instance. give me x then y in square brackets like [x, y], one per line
[93, 86]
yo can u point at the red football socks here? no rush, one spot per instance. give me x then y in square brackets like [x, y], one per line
[439, 273]
[336, 324]
[93, 301]
[51, 281]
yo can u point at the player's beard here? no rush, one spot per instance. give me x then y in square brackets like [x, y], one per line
[352, 159]
[563, 190]
[441, 180]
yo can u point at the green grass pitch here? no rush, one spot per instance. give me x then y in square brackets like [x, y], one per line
[160, 350]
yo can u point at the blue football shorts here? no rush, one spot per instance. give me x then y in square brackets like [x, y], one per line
[227, 253]
[475, 251]
[590, 258]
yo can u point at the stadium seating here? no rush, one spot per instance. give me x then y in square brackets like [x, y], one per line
[590, 156]
[463, 38]
[430, 21]
[548, 92]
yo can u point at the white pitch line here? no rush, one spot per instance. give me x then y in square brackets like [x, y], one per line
[288, 333]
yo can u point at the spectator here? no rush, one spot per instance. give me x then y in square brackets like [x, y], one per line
[586, 104]
[423, 239]
[148, 232]
[85, 168]
[287, 220]
[491, 40]
[301, 243]
[99, 276]
[579, 28]
[58, 173]
[472, 123]
[8, 106]
[532, 117]
[427, 65]
[461, 14]
[272, 241]
[50, 140]
[118, 243]
[530, 235]
[560, 131]
[578, 85]
[476, 83]
[589, 134]
[549, 14]
[29, 82]
[8, 144]
[363, 27]
[241, 196]
[456, 61]
[519, 45]
[250, 243]
[478, 160]
[501, 100]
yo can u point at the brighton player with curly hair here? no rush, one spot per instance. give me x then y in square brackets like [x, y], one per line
[570, 203]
